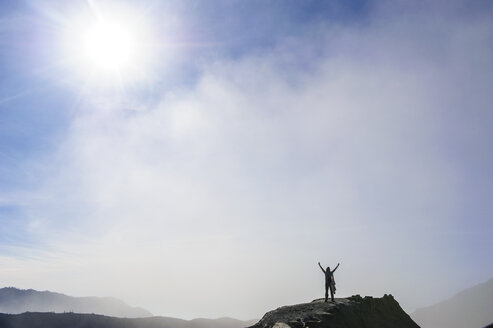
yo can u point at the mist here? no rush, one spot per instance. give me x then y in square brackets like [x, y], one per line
[367, 145]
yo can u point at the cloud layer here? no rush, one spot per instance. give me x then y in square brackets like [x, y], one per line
[364, 145]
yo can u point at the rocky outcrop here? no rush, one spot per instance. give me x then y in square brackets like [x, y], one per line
[351, 312]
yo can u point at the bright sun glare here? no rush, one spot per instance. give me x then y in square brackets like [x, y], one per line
[109, 46]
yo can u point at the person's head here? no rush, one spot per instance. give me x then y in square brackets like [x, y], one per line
[328, 269]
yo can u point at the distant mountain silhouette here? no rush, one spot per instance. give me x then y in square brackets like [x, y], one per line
[64, 320]
[220, 323]
[13, 300]
[472, 308]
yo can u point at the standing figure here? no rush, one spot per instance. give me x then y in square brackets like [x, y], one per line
[329, 282]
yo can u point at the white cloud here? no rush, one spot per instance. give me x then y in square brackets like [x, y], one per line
[220, 199]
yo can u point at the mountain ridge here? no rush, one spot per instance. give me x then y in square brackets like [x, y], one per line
[351, 312]
[470, 307]
[15, 301]
[31, 308]
[85, 320]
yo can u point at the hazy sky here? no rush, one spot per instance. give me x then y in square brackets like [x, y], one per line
[250, 140]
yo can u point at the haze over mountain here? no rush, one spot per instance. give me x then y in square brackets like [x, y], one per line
[198, 158]
[13, 300]
[351, 312]
[63, 320]
[469, 308]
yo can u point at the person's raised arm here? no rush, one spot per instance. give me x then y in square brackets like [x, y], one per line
[321, 267]
[335, 268]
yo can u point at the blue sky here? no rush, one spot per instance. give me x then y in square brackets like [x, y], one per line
[253, 139]
[38, 104]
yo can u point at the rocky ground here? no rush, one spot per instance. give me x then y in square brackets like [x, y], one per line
[351, 312]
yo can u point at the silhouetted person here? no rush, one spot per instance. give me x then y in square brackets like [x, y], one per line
[329, 282]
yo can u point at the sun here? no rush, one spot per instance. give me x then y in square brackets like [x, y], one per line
[109, 46]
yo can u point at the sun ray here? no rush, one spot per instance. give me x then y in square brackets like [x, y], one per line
[109, 44]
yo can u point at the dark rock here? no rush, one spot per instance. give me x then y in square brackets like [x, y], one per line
[351, 312]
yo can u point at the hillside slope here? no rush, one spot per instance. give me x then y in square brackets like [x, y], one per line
[472, 308]
[13, 300]
[352, 312]
[77, 320]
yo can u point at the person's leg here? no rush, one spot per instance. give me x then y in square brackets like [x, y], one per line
[326, 292]
[331, 293]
